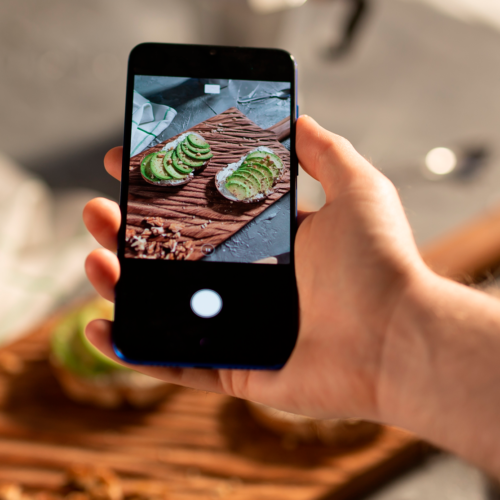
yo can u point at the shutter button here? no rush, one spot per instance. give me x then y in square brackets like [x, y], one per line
[206, 303]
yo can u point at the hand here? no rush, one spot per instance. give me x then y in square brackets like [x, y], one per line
[354, 260]
[381, 337]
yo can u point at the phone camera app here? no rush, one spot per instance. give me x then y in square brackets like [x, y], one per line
[208, 158]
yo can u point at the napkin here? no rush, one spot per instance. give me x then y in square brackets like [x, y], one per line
[148, 121]
[43, 244]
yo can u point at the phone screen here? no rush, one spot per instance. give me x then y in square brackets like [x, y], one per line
[208, 203]
[209, 177]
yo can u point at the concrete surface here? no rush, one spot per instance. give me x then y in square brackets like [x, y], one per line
[442, 477]
[416, 79]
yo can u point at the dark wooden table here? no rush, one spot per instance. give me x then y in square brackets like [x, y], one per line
[199, 445]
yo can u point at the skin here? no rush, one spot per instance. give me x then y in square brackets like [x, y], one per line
[381, 337]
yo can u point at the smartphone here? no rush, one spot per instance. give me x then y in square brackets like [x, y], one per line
[208, 205]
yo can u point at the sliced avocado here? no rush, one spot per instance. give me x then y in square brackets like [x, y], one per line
[266, 172]
[274, 169]
[179, 166]
[197, 150]
[156, 165]
[61, 340]
[251, 173]
[257, 154]
[256, 173]
[195, 156]
[146, 168]
[248, 179]
[186, 160]
[173, 171]
[238, 189]
[264, 163]
[89, 354]
[270, 160]
[253, 162]
[263, 154]
[72, 349]
[197, 142]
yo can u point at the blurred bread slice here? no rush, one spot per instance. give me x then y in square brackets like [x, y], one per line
[335, 432]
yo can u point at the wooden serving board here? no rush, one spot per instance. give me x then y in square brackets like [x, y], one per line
[199, 445]
[470, 252]
[202, 216]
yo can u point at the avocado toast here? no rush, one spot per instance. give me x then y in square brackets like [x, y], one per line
[86, 375]
[177, 162]
[252, 178]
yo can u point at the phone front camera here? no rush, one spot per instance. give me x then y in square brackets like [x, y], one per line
[213, 52]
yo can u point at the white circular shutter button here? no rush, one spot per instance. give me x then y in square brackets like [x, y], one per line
[206, 303]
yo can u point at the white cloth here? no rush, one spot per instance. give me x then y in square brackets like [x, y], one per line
[148, 121]
[43, 244]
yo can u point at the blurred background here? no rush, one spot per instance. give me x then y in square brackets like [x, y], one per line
[398, 78]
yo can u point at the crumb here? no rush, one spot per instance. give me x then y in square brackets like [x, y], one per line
[139, 244]
[10, 491]
[97, 483]
[151, 247]
[129, 234]
[176, 227]
[155, 221]
[157, 230]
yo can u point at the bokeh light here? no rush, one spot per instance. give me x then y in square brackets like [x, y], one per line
[441, 161]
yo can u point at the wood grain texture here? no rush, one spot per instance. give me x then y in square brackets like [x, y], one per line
[200, 445]
[469, 252]
[202, 218]
[281, 129]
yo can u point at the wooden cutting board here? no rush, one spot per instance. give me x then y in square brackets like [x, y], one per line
[197, 210]
[200, 445]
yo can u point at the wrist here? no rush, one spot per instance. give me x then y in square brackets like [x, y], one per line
[402, 376]
[440, 368]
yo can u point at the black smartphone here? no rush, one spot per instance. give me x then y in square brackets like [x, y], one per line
[208, 204]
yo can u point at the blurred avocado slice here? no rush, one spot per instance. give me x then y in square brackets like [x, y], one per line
[71, 348]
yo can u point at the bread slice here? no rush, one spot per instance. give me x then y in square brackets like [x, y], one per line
[301, 429]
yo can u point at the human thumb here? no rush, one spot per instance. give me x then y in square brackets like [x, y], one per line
[329, 158]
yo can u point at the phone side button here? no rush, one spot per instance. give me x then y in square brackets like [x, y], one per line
[206, 303]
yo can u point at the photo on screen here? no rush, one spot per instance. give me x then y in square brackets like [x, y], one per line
[209, 171]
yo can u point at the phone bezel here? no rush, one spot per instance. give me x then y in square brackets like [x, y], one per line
[201, 61]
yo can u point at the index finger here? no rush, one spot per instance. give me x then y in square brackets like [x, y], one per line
[113, 162]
